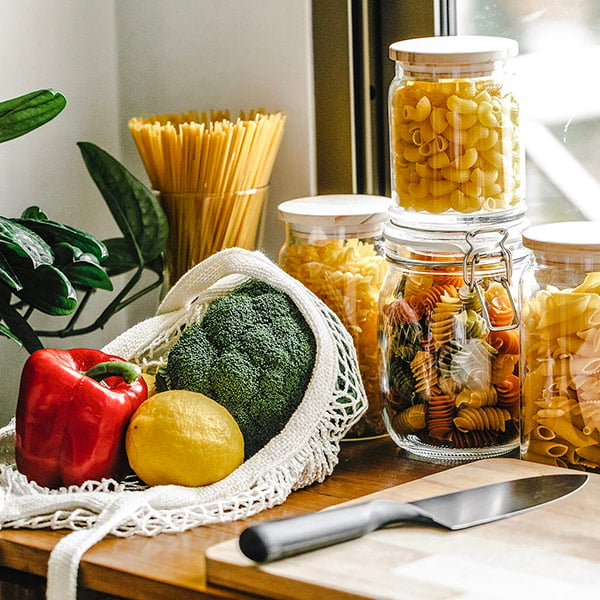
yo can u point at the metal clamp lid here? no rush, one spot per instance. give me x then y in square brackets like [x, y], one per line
[473, 257]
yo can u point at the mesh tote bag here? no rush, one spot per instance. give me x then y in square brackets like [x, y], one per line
[304, 452]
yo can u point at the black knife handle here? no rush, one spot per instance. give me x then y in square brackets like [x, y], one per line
[272, 540]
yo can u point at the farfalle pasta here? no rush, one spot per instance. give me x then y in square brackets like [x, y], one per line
[561, 385]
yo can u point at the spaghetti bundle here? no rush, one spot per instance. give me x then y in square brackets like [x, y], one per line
[212, 175]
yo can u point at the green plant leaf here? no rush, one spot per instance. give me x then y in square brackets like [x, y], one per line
[34, 212]
[21, 115]
[82, 268]
[121, 257]
[9, 334]
[133, 206]
[25, 243]
[7, 275]
[55, 233]
[47, 289]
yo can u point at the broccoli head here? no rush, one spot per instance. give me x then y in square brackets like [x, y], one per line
[254, 353]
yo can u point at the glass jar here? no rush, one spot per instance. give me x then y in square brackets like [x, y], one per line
[454, 127]
[560, 346]
[334, 246]
[449, 337]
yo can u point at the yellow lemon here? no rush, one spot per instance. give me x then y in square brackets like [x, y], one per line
[150, 383]
[183, 438]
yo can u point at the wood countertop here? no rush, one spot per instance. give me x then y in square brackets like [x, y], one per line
[172, 566]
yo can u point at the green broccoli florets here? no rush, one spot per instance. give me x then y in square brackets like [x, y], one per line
[254, 353]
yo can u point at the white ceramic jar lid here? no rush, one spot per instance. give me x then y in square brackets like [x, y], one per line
[566, 238]
[453, 50]
[352, 214]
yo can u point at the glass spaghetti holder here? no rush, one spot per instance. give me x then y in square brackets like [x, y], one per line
[203, 223]
[449, 335]
[454, 128]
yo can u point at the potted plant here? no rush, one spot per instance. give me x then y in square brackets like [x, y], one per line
[54, 268]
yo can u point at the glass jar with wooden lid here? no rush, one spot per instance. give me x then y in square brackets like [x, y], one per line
[334, 246]
[560, 346]
[454, 127]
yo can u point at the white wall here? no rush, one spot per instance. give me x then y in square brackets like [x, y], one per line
[236, 54]
[70, 46]
[114, 60]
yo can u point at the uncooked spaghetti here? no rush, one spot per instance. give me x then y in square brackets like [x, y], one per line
[212, 175]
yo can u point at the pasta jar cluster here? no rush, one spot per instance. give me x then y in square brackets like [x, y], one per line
[449, 338]
[560, 299]
[334, 246]
[454, 126]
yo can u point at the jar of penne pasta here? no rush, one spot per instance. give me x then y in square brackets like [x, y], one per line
[560, 345]
[334, 246]
[449, 337]
[454, 127]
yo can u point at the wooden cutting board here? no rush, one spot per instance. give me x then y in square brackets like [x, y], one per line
[551, 552]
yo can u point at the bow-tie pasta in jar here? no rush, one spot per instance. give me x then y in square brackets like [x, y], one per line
[449, 338]
[334, 246]
[454, 126]
[560, 345]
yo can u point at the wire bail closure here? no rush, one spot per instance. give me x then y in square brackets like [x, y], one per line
[473, 257]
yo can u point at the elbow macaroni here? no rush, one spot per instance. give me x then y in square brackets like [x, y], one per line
[347, 276]
[461, 130]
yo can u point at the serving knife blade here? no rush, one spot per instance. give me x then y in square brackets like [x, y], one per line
[273, 540]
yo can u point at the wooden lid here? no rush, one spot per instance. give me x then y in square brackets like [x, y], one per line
[453, 50]
[356, 214]
[568, 238]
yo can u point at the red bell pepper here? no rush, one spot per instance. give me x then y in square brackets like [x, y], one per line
[72, 414]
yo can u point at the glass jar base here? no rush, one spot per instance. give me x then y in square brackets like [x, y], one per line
[419, 449]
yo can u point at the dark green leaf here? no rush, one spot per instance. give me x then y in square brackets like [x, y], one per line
[54, 233]
[121, 257]
[34, 212]
[82, 268]
[47, 289]
[157, 265]
[9, 334]
[21, 115]
[25, 243]
[7, 275]
[133, 206]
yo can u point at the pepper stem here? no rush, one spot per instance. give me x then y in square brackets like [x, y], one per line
[112, 368]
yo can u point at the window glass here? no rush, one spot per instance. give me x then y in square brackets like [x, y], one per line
[559, 90]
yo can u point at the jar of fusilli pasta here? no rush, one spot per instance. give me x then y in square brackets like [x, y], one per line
[449, 336]
[560, 346]
[454, 127]
[334, 246]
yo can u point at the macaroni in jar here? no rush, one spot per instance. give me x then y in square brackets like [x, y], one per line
[334, 247]
[454, 126]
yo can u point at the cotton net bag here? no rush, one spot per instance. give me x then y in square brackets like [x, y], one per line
[304, 452]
